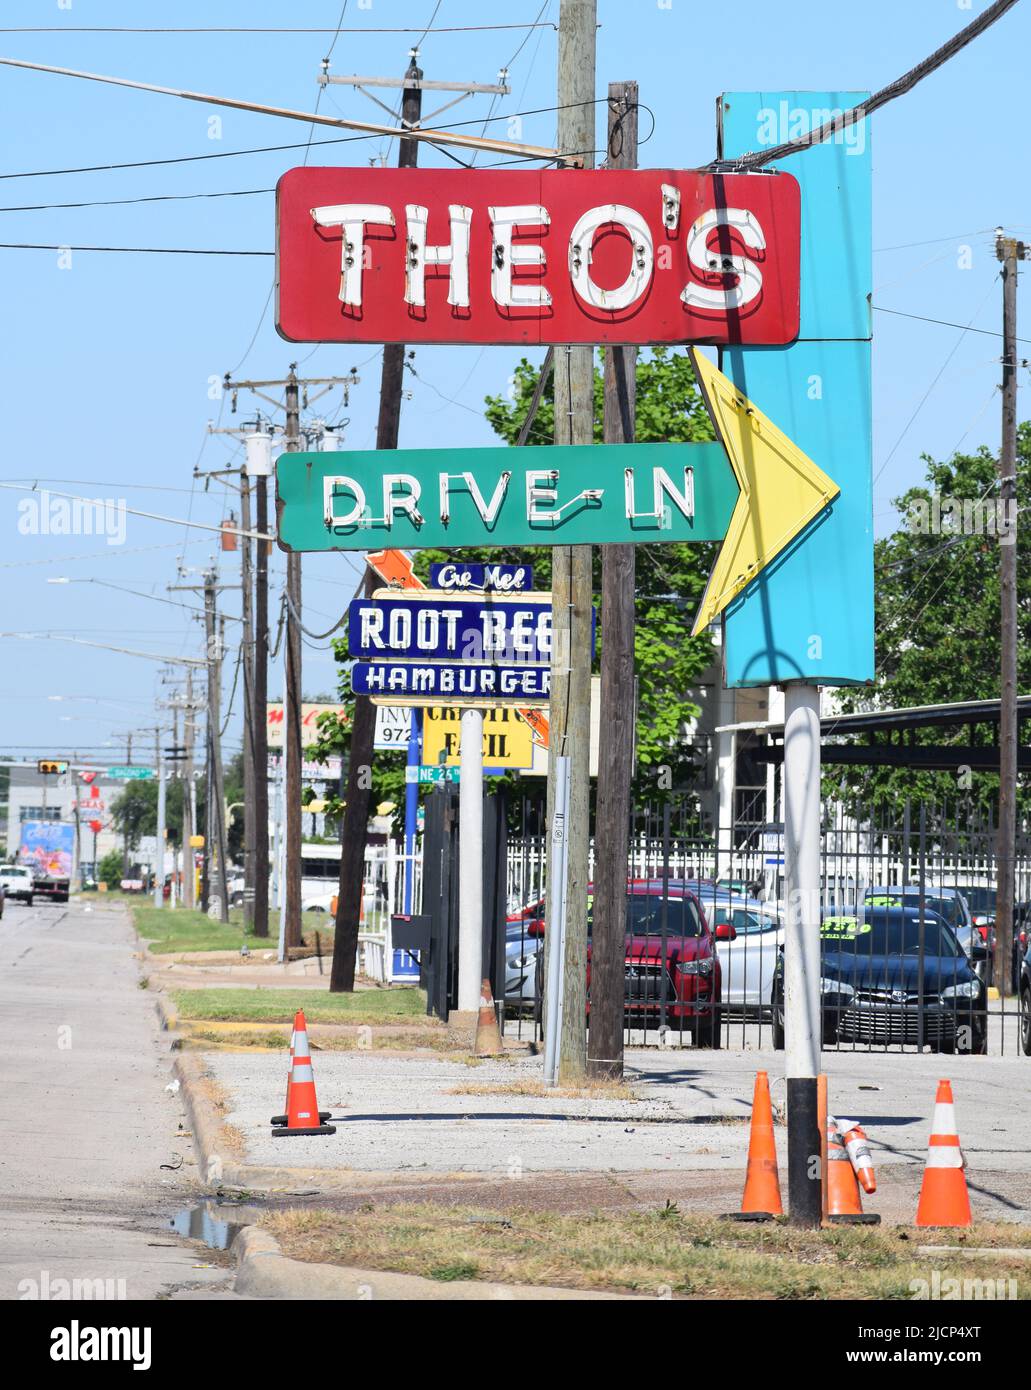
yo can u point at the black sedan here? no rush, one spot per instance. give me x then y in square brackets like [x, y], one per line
[888, 978]
[1025, 1005]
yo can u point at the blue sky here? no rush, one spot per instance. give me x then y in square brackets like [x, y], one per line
[107, 363]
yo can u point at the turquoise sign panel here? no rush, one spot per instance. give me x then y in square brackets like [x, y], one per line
[809, 615]
[594, 494]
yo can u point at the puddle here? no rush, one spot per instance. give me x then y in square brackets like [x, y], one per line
[203, 1223]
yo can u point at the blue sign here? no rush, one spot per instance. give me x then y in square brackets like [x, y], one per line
[434, 627]
[501, 579]
[809, 615]
[428, 683]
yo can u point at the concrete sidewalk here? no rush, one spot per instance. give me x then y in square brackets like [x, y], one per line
[95, 1155]
[686, 1133]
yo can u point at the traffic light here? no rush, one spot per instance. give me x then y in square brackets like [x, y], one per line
[51, 767]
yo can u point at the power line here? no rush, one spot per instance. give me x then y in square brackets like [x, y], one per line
[923, 400]
[900, 87]
[131, 250]
[273, 149]
[943, 323]
[152, 198]
[226, 29]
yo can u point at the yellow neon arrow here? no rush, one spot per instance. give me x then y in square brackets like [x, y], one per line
[782, 489]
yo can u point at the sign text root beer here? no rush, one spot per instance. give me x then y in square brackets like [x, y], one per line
[537, 256]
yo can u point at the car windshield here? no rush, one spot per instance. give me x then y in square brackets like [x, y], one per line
[888, 934]
[979, 899]
[948, 908]
[644, 916]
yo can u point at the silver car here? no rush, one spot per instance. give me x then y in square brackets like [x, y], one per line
[748, 957]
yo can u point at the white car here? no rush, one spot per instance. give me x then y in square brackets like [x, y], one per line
[748, 960]
[16, 882]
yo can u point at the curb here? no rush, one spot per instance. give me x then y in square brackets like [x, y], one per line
[263, 1271]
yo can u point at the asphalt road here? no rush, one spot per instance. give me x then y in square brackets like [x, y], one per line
[85, 1121]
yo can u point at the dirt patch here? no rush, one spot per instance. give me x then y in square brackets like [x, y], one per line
[590, 1090]
[213, 1093]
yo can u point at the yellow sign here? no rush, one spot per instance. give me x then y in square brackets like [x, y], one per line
[507, 741]
[782, 489]
[196, 841]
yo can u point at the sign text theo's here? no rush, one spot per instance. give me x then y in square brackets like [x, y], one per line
[537, 256]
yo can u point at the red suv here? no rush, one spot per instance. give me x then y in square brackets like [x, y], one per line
[693, 981]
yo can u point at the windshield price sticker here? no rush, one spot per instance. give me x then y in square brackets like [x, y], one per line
[843, 928]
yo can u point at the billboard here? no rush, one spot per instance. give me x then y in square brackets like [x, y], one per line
[309, 718]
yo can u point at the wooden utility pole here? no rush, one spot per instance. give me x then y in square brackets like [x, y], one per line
[355, 821]
[572, 583]
[292, 743]
[259, 730]
[215, 837]
[189, 821]
[615, 769]
[1009, 252]
[249, 776]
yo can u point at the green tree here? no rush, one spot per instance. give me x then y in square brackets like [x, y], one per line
[109, 870]
[937, 615]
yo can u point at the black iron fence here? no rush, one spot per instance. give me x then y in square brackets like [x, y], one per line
[908, 931]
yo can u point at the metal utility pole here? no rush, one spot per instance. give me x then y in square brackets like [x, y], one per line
[1009, 252]
[363, 726]
[802, 1011]
[259, 455]
[616, 769]
[571, 585]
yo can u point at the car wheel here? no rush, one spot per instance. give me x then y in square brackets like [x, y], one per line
[777, 1021]
[1025, 1021]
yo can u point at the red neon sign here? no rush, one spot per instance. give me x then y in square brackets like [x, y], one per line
[533, 257]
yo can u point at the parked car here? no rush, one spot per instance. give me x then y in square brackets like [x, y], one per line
[16, 881]
[687, 975]
[749, 958]
[1025, 1005]
[683, 969]
[947, 903]
[875, 988]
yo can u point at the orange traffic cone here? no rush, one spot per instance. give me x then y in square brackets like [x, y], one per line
[488, 1037]
[844, 1206]
[858, 1150]
[944, 1200]
[762, 1184]
[302, 1110]
[283, 1119]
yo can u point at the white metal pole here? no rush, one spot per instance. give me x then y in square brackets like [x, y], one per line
[159, 850]
[281, 856]
[556, 919]
[470, 885]
[802, 1021]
